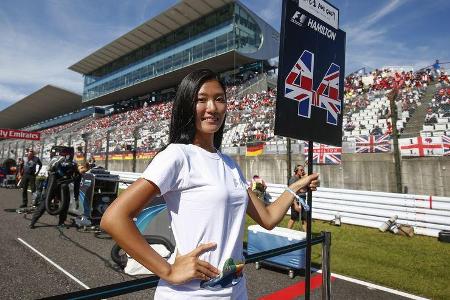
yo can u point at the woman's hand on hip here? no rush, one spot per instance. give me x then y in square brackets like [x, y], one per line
[188, 267]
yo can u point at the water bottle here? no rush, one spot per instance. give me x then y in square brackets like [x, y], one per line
[394, 228]
[388, 223]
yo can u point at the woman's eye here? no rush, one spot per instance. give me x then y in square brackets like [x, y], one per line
[221, 99]
[201, 100]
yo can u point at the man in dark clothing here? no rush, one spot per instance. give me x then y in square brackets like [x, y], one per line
[29, 176]
[296, 209]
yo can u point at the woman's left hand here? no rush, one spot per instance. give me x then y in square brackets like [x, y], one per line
[310, 182]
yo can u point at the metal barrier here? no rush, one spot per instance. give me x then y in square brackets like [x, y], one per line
[131, 286]
[427, 214]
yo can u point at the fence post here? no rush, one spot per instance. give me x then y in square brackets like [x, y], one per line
[326, 273]
[16, 154]
[108, 136]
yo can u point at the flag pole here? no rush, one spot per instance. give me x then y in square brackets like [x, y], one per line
[308, 226]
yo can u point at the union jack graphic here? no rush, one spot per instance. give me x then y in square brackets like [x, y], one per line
[327, 94]
[299, 87]
[299, 83]
[446, 145]
[373, 144]
[324, 154]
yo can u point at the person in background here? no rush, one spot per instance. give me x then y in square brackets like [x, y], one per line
[29, 176]
[296, 209]
[19, 171]
[259, 187]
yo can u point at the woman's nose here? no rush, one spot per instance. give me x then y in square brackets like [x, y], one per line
[211, 105]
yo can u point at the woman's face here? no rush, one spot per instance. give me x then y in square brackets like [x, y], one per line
[211, 106]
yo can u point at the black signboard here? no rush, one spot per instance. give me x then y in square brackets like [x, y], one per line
[310, 96]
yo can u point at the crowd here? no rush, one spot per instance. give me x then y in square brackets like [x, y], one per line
[250, 117]
[362, 90]
[439, 106]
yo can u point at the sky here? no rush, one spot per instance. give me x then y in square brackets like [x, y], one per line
[40, 39]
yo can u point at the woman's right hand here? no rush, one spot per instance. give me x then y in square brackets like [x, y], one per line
[188, 267]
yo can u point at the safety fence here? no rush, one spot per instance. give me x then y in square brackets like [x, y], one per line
[427, 214]
[131, 286]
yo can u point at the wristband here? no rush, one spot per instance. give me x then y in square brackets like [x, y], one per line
[300, 200]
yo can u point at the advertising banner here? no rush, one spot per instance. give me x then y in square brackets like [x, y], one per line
[19, 134]
[310, 95]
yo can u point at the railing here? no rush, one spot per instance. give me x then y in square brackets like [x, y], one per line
[131, 286]
[427, 214]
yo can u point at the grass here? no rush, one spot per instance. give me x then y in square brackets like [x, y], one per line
[419, 265]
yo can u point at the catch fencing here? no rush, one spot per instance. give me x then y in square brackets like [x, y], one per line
[427, 214]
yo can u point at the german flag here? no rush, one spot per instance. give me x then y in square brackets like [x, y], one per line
[254, 149]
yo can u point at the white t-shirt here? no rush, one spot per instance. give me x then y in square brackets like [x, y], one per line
[206, 197]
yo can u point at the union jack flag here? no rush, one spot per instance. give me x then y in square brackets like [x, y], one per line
[324, 154]
[373, 144]
[446, 145]
[299, 87]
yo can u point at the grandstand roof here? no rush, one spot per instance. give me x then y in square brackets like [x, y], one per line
[175, 17]
[47, 102]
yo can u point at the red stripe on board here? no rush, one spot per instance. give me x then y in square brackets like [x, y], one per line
[295, 290]
[431, 202]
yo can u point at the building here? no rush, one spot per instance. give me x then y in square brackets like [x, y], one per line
[222, 35]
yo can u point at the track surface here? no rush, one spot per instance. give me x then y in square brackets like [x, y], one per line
[26, 275]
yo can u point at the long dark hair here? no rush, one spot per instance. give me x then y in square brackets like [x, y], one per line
[182, 124]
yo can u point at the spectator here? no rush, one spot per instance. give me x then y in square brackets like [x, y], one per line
[29, 176]
[376, 130]
[296, 209]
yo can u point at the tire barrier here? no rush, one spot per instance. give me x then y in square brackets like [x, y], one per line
[121, 258]
[131, 286]
[444, 236]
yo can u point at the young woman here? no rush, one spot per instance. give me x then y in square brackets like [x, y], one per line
[207, 198]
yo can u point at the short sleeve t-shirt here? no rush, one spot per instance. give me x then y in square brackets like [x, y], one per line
[206, 197]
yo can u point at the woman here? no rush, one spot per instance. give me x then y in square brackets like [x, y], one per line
[206, 196]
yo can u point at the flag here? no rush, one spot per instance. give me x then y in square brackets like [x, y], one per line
[419, 146]
[446, 145]
[324, 154]
[254, 149]
[372, 144]
[145, 155]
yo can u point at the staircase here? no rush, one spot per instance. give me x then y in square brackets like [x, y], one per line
[74, 128]
[415, 124]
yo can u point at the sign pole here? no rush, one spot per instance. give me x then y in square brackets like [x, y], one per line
[308, 226]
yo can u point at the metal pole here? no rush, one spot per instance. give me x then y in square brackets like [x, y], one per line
[398, 170]
[135, 136]
[86, 139]
[289, 159]
[17, 151]
[42, 149]
[326, 273]
[308, 227]
[108, 135]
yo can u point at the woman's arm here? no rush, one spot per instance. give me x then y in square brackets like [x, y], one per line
[269, 216]
[118, 222]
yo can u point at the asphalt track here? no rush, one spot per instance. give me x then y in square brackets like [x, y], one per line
[27, 275]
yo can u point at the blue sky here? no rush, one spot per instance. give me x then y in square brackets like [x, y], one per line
[40, 39]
